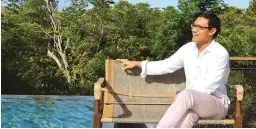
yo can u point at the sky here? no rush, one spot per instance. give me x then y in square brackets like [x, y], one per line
[243, 4]
[164, 3]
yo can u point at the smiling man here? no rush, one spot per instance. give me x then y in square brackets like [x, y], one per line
[206, 65]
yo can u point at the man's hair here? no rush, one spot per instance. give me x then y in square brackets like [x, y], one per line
[214, 21]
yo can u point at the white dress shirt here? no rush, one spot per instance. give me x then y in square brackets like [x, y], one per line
[206, 73]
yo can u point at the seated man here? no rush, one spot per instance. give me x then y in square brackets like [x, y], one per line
[206, 65]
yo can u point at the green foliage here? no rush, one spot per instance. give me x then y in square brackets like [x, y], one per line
[110, 30]
[237, 34]
[107, 30]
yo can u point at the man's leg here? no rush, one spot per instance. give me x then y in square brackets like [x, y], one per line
[205, 105]
[188, 120]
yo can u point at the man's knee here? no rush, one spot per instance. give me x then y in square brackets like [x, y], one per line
[190, 120]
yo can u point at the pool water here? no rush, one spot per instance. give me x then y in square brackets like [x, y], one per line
[39, 111]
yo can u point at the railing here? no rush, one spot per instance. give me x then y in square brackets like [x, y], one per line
[243, 72]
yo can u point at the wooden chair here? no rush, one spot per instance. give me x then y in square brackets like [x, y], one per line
[124, 97]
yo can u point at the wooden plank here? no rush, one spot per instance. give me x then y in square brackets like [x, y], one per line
[108, 98]
[96, 115]
[220, 122]
[238, 115]
[243, 58]
[141, 103]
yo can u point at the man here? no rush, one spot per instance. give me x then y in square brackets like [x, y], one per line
[206, 65]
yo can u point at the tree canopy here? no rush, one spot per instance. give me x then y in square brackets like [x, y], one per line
[47, 50]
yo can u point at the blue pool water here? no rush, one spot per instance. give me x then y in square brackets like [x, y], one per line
[38, 111]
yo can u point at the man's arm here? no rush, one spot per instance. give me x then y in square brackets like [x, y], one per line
[167, 65]
[126, 64]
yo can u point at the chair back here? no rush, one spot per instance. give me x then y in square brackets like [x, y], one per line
[128, 98]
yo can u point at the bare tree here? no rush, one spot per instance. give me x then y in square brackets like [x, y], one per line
[58, 46]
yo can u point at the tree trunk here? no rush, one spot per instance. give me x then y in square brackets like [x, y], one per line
[57, 47]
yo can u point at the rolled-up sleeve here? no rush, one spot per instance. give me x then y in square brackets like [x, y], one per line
[143, 73]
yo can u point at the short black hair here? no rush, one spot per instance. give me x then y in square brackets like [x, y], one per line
[214, 21]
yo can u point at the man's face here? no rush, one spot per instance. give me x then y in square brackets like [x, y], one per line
[201, 31]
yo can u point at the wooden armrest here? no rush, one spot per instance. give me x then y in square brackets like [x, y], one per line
[239, 92]
[97, 88]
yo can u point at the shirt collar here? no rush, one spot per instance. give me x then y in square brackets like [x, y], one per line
[208, 48]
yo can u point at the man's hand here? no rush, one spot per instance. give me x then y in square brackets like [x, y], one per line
[126, 64]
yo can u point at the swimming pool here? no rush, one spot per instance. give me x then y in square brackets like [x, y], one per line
[39, 111]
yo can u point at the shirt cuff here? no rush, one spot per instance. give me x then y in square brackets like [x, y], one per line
[143, 73]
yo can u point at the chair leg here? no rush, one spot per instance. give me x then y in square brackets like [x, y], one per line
[238, 115]
[97, 115]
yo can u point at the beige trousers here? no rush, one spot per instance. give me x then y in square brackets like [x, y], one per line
[191, 105]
